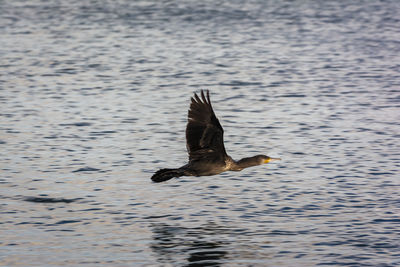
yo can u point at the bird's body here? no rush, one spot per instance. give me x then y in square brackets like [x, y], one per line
[205, 145]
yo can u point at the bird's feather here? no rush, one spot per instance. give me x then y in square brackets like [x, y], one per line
[204, 133]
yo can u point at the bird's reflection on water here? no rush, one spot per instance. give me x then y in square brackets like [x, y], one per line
[201, 246]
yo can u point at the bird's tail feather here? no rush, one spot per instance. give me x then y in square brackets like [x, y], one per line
[166, 174]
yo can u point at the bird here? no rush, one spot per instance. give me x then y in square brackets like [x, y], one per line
[205, 145]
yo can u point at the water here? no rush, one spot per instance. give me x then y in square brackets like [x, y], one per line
[94, 98]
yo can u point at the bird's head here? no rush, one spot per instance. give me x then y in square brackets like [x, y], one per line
[263, 159]
[254, 161]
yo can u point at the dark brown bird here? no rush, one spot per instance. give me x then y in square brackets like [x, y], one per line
[205, 145]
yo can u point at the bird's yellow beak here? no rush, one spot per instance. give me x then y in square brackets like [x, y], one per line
[271, 159]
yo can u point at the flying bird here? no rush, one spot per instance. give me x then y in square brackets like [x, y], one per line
[205, 145]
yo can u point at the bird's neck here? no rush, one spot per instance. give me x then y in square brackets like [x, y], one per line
[244, 163]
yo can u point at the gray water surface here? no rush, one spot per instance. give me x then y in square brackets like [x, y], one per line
[94, 98]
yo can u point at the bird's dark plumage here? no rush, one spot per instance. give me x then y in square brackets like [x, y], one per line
[204, 133]
[205, 145]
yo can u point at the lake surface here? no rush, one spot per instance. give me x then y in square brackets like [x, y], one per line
[94, 98]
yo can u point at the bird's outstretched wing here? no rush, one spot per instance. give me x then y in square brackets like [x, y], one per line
[204, 133]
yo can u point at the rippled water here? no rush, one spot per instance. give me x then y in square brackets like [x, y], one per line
[94, 98]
